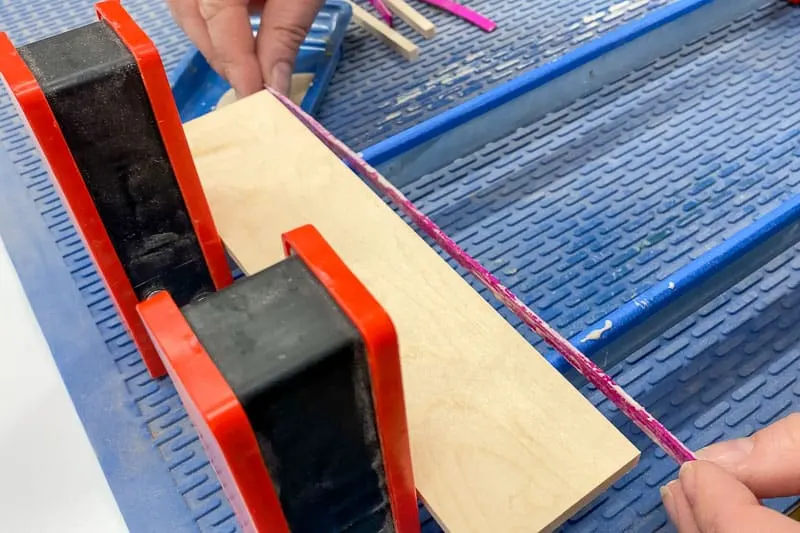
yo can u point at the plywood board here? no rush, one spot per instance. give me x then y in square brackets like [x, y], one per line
[297, 92]
[500, 440]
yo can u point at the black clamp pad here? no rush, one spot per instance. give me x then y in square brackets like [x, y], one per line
[298, 367]
[95, 90]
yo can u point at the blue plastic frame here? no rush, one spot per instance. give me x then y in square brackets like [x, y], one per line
[498, 112]
[666, 303]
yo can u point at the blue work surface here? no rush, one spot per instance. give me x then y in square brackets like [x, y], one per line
[578, 211]
[582, 210]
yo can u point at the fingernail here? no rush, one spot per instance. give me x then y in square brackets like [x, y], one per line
[281, 77]
[727, 454]
[669, 500]
[686, 477]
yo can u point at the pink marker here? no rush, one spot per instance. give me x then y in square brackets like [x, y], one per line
[462, 11]
[383, 11]
[593, 373]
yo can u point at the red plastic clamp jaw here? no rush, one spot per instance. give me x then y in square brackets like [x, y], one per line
[42, 124]
[380, 340]
[32, 105]
[220, 419]
[169, 123]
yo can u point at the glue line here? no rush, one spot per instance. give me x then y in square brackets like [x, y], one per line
[593, 373]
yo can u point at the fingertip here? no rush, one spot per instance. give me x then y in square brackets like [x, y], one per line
[280, 77]
[677, 507]
[712, 493]
[234, 47]
[686, 475]
[669, 500]
[284, 26]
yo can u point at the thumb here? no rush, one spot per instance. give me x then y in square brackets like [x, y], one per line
[722, 504]
[765, 462]
[284, 25]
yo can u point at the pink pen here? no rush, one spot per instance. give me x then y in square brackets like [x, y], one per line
[383, 11]
[651, 427]
[461, 11]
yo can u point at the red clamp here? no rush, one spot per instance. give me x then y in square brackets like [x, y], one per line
[108, 196]
[252, 452]
[292, 375]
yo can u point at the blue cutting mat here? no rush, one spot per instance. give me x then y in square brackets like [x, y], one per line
[720, 380]
[581, 211]
[375, 93]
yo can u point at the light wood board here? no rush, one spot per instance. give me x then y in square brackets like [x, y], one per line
[500, 441]
[297, 92]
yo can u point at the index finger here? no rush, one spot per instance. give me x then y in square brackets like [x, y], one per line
[231, 35]
[284, 25]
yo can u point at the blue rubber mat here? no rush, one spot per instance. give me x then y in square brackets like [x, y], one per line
[722, 373]
[729, 370]
[375, 93]
[35, 19]
[582, 210]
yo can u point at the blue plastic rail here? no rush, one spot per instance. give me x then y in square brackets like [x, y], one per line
[659, 308]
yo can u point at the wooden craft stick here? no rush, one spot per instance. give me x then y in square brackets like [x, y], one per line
[656, 431]
[387, 35]
[412, 17]
[500, 441]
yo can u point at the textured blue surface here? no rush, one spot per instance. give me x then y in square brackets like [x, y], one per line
[685, 291]
[619, 190]
[581, 211]
[723, 373]
[375, 93]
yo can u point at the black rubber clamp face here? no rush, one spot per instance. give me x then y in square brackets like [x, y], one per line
[298, 367]
[95, 90]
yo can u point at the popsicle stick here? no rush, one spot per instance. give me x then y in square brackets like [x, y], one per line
[413, 18]
[390, 37]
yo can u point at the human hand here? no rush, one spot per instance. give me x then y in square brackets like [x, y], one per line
[719, 493]
[221, 31]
